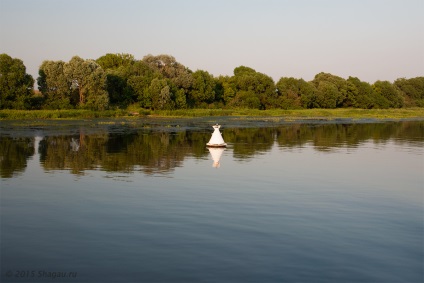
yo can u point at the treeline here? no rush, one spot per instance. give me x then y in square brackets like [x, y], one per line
[160, 82]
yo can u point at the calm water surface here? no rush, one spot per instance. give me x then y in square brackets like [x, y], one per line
[108, 202]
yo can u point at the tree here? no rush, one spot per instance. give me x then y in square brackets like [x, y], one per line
[180, 99]
[246, 99]
[412, 89]
[254, 83]
[139, 80]
[294, 93]
[390, 96]
[120, 94]
[225, 89]
[16, 86]
[160, 93]
[288, 93]
[332, 91]
[266, 90]
[203, 89]
[115, 61]
[179, 76]
[140, 86]
[54, 85]
[88, 79]
[119, 68]
[169, 68]
[327, 94]
[308, 94]
[363, 94]
[243, 71]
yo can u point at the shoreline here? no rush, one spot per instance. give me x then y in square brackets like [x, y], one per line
[301, 114]
[42, 127]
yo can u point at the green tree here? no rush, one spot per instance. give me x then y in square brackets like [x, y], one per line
[120, 94]
[327, 94]
[294, 93]
[229, 92]
[119, 68]
[252, 83]
[179, 77]
[332, 91]
[112, 61]
[412, 89]
[389, 96]
[54, 85]
[88, 79]
[363, 94]
[244, 71]
[203, 89]
[140, 86]
[139, 80]
[160, 93]
[16, 86]
[245, 99]
[225, 89]
[169, 68]
[180, 99]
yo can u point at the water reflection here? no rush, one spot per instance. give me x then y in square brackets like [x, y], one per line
[14, 153]
[75, 145]
[158, 151]
[216, 153]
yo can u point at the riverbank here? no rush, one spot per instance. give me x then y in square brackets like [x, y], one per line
[329, 114]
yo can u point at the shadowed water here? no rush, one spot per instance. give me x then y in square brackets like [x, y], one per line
[108, 202]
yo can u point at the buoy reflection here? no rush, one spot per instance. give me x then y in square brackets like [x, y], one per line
[216, 153]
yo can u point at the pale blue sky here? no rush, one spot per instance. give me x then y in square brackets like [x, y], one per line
[372, 40]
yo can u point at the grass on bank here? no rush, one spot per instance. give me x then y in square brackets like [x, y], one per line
[8, 114]
[136, 112]
[300, 113]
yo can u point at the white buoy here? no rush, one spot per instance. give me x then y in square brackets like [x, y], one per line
[216, 139]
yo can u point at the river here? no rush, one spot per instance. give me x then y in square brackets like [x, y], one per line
[117, 201]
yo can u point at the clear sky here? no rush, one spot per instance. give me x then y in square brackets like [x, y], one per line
[369, 39]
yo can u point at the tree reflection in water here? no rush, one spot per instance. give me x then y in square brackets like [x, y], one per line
[14, 153]
[158, 151]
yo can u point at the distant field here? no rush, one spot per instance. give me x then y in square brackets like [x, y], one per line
[301, 114]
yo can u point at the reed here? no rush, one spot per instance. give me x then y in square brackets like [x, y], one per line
[300, 113]
[401, 113]
[58, 114]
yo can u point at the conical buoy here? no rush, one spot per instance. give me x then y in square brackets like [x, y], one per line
[216, 139]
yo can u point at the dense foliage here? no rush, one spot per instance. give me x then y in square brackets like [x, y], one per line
[162, 83]
[16, 86]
